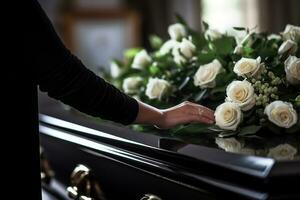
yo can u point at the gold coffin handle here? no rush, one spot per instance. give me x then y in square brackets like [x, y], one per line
[150, 197]
[46, 172]
[83, 185]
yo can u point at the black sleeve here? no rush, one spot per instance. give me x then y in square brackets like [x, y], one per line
[65, 78]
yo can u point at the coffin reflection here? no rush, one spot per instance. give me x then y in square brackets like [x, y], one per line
[130, 165]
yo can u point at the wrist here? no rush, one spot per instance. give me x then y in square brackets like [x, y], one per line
[159, 121]
[149, 115]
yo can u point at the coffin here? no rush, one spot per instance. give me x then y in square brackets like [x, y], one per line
[131, 165]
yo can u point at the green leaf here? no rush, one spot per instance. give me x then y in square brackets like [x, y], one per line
[224, 45]
[226, 134]
[155, 41]
[205, 25]
[220, 89]
[180, 19]
[130, 53]
[273, 128]
[194, 129]
[293, 129]
[205, 57]
[153, 69]
[247, 51]
[223, 79]
[249, 130]
[297, 101]
[239, 28]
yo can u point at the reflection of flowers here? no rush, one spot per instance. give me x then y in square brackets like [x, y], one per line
[229, 144]
[247, 151]
[234, 146]
[283, 152]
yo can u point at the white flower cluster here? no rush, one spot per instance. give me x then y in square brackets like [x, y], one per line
[179, 45]
[283, 151]
[241, 97]
[257, 86]
[241, 94]
[291, 36]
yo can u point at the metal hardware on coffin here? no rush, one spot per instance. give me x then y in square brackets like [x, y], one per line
[150, 197]
[83, 185]
[46, 172]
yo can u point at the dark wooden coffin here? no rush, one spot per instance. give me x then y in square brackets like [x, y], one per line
[128, 165]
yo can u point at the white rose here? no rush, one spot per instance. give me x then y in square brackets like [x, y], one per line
[288, 46]
[176, 31]
[187, 48]
[212, 34]
[238, 35]
[274, 37]
[168, 46]
[177, 55]
[228, 116]
[115, 70]
[206, 74]
[283, 152]
[131, 85]
[291, 33]
[229, 144]
[292, 70]
[241, 93]
[157, 88]
[141, 60]
[281, 113]
[248, 67]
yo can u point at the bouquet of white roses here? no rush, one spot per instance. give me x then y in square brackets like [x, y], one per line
[251, 79]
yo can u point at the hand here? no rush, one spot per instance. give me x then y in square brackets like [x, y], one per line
[183, 113]
[186, 112]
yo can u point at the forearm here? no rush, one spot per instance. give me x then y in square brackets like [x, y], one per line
[64, 77]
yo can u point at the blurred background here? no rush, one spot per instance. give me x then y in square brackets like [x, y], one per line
[98, 31]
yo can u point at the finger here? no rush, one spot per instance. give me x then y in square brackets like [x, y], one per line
[198, 119]
[202, 111]
[206, 113]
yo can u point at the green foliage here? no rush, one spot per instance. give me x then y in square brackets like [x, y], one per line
[223, 46]
[155, 41]
[240, 28]
[130, 53]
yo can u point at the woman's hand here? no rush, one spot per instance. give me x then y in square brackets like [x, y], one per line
[183, 113]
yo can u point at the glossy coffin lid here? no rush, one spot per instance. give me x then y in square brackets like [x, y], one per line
[189, 164]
